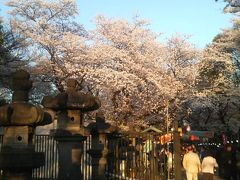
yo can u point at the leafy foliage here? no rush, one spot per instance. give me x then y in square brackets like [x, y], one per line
[10, 57]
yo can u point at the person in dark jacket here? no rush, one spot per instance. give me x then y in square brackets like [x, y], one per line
[229, 163]
[238, 162]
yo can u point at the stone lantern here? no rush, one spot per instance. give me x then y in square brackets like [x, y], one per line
[19, 120]
[99, 147]
[70, 106]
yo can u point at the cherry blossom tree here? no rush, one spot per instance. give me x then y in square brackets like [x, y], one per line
[121, 61]
[48, 27]
[140, 70]
[216, 106]
[233, 6]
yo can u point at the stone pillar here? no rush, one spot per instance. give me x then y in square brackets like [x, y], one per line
[70, 149]
[99, 149]
[70, 106]
[98, 154]
[19, 120]
[113, 141]
[70, 144]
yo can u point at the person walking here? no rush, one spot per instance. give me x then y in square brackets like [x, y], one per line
[228, 160]
[209, 163]
[191, 164]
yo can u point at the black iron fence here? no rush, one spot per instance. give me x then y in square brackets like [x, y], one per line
[46, 144]
[86, 167]
[130, 157]
[139, 157]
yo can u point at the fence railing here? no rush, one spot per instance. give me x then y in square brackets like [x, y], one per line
[130, 157]
[46, 144]
[138, 158]
[86, 167]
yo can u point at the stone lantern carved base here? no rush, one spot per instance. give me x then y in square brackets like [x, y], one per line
[25, 158]
[18, 163]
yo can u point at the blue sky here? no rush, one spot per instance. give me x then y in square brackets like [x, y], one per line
[202, 19]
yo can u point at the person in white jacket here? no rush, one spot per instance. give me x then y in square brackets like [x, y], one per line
[192, 164]
[208, 165]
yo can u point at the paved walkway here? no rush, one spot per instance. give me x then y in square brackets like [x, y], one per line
[200, 178]
[216, 177]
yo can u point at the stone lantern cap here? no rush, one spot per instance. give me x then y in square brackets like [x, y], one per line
[72, 99]
[20, 112]
[100, 126]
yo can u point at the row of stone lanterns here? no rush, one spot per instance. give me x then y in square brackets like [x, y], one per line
[20, 118]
